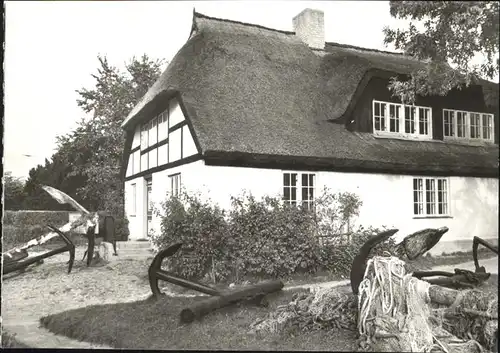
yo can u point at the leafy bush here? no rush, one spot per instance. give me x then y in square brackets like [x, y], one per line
[260, 238]
[13, 236]
[202, 229]
[337, 258]
[35, 218]
[271, 239]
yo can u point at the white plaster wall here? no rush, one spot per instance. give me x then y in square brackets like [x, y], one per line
[137, 137]
[387, 199]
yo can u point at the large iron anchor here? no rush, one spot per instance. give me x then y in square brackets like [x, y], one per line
[156, 273]
[23, 261]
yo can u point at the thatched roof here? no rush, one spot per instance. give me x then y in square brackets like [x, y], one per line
[252, 91]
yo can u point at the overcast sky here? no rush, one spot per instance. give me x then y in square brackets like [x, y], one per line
[51, 50]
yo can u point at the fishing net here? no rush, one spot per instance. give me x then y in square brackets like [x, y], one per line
[393, 312]
[396, 314]
[324, 308]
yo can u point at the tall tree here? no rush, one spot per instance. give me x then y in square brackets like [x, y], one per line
[13, 192]
[94, 149]
[451, 34]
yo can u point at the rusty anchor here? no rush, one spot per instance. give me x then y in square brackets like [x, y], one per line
[22, 260]
[416, 244]
[254, 293]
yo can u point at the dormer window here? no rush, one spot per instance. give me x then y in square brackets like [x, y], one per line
[410, 121]
[463, 125]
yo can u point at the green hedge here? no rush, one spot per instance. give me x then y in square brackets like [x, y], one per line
[258, 238]
[35, 218]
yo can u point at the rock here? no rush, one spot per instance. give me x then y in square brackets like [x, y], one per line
[231, 285]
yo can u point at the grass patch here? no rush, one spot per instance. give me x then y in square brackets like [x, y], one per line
[155, 325]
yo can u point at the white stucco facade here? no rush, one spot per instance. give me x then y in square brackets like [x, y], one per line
[387, 199]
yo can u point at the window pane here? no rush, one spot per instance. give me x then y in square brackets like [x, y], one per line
[409, 120]
[379, 116]
[286, 179]
[394, 114]
[423, 121]
[430, 195]
[305, 180]
[293, 179]
[305, 194]
[487, 126]
[418, 196]
[311, 179]
[448, 118]
[294, 194]
[461, 124]
[286, 193]
[475, 121]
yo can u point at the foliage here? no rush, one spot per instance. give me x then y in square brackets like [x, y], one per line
[334, 212]
[452, 33]
[201, 228]
[269, 238]
[20, 227]
[34, 218]
[258, 238]
[88, 161]
[13, 192]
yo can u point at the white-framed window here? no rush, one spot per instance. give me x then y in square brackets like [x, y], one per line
[463, 125]
[133, 203]
[299, 188]
[175, 184]
[431, 197]
[395, 119]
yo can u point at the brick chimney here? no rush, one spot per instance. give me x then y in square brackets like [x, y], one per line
[309, 26]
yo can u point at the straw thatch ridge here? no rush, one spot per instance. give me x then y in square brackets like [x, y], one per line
[250, 90]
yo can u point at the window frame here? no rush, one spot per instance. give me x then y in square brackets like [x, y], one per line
[453, 116]
[172, 178]
[423, 201]
[402, 120]
[299, 187]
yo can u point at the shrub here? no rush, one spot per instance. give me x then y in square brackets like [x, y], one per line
[337, 258]
[271, 239]
[13, 236]
[202, 229]
[35, 218]
[260, 238]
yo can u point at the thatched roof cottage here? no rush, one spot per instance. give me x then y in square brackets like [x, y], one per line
[241, 106]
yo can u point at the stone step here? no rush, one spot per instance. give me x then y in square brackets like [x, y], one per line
[133, 245]
[134, 251]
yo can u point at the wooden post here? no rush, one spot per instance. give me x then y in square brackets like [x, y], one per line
[230, 297]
